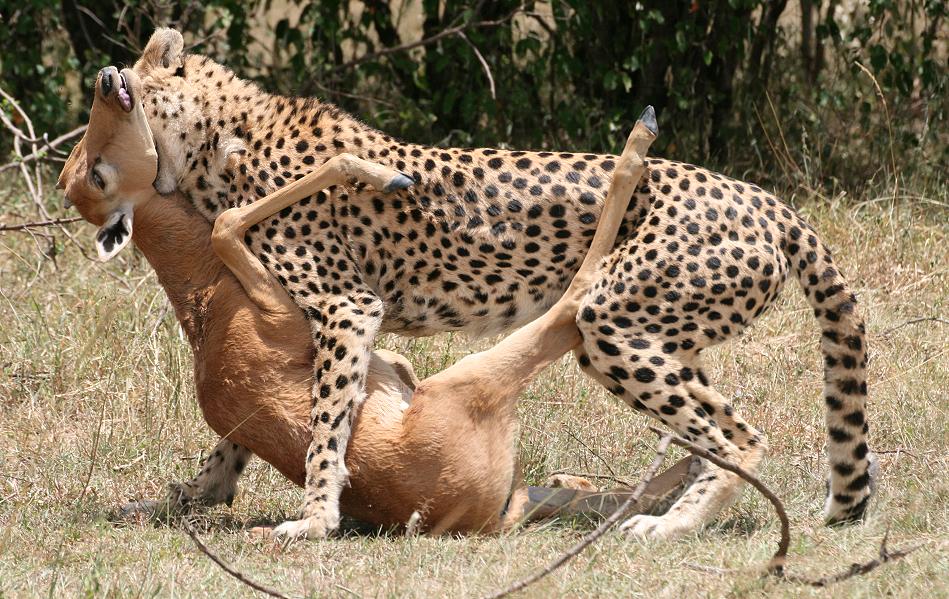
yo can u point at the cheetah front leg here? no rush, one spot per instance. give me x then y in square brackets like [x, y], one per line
[216, 483]
[344, 328]
[344, 320]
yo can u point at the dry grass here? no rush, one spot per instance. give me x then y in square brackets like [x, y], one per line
[95, 409]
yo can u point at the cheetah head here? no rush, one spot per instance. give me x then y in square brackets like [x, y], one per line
[184, 97]
[112, 168]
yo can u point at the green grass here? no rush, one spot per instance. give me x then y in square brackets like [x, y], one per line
[96, 409]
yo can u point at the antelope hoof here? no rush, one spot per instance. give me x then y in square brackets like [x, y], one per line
[648, 118]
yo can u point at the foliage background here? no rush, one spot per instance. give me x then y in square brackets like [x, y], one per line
[767, 89]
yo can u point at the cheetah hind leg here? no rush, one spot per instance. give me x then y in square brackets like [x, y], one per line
[712, 488]
[679, 395]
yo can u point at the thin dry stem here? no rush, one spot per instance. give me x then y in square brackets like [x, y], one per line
[914, 321]
[47, 146]
[237, 574]
[889, 125]
[42, 223]
[885, 555]
[599, 531]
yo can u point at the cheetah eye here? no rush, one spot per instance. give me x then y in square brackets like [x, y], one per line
[97, 179]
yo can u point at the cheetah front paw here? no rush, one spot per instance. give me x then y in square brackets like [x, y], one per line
[658, 528]
[313, 527]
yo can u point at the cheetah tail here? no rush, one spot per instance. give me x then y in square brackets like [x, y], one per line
[844, 348]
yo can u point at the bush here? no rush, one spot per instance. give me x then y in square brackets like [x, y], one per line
[734, 86]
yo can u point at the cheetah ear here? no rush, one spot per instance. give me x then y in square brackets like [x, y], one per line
[165, 50]
[115, 234]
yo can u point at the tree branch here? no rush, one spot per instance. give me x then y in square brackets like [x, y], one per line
[484, 63]
[425, 42]
[49, 145]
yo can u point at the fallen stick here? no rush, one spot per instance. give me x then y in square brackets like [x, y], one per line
[598, 532]
[227, 568]
[857, 569]
[775, 566]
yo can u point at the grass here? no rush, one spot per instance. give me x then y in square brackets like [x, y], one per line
[96, 408]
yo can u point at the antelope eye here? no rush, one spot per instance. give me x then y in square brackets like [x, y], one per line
[97, 179]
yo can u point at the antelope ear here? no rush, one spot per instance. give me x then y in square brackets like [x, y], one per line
[115, 234]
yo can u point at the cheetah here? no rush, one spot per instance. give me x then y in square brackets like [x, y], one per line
[431, 446]
[483, 240]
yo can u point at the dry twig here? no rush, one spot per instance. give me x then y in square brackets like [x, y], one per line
[48, 146]
[227, 568]
[42, 223]
[484, 63]
[776, 565]
[600, 530]
[885, 555]
[914, 321]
